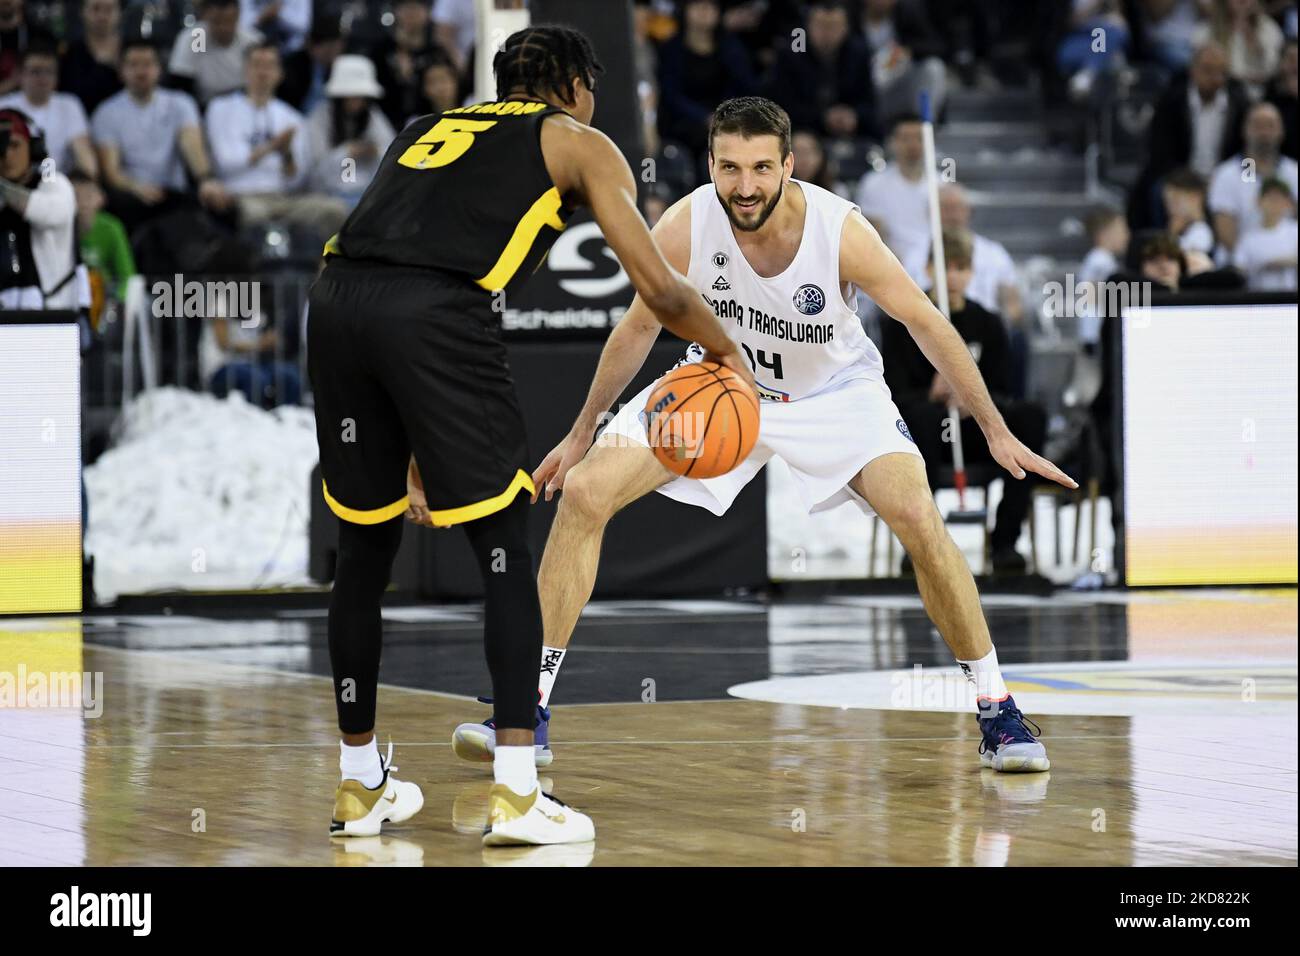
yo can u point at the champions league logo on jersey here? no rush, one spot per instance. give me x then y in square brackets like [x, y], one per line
[902, 427]
[809, 299]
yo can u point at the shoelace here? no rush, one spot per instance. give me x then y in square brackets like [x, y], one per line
[1019, 725]
[387, 762]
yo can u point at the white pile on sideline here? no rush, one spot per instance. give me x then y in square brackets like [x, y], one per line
[201, 493]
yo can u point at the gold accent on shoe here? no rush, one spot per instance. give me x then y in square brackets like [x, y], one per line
[505, 805]
[352, 800]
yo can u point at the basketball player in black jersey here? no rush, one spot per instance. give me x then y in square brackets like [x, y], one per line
[416, 413]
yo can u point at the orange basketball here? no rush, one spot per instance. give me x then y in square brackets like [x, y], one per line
[702, 420]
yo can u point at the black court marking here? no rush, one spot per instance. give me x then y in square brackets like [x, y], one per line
[693, 652]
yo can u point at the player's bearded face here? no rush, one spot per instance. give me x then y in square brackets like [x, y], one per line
[748, 176]
[748, 210]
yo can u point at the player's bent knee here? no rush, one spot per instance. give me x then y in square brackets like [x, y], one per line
[917, 523]
[585, 497]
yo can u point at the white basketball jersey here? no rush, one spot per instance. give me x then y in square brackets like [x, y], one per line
[796, 329]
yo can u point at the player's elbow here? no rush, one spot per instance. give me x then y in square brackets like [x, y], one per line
[667, 299]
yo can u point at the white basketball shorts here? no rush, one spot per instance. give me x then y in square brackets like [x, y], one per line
[824, 438]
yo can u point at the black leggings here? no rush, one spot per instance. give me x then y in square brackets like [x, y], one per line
[512, 631]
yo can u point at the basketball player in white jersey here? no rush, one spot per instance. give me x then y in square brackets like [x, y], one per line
[779, 261]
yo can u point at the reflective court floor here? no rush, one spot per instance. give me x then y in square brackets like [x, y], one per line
[833, 732]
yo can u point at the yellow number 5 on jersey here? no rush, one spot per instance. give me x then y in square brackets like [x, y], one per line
[454, 136]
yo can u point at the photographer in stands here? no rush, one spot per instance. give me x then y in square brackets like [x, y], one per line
[38, 209]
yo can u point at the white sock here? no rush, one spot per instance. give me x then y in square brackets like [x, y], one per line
[516, 767]
[986, 676]
[361, 763]
[552, 657]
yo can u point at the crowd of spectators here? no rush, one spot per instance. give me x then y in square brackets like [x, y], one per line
[272, 114]
[190, 141]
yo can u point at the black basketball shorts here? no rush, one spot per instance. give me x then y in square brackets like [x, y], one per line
[410, 362]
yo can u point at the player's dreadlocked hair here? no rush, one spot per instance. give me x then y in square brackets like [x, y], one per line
[543, 60]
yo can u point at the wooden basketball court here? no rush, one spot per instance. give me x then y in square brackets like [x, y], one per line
[215, 743]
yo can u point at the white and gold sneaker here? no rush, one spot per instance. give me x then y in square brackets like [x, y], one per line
[533, 820]
[361, 812]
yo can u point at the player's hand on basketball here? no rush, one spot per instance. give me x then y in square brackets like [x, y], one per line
[735, 360]
[1010, 452]
[549, 475]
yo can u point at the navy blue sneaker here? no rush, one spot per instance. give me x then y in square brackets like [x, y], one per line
[1008, 746]
[478, 742]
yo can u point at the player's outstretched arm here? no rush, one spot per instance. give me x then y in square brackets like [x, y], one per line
[867, 262]
[596, 171]
[623, 355]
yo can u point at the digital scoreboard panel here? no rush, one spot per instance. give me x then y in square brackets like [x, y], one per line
[1209, 444]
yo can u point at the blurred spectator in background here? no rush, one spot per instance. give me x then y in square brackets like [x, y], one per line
[263, 152]
[1267, 253]
[104, 246]
[440, 85]
[455, 26]
[400, 57]
[1196, 123]
[895, 199]
[994, 283]
[59, 115]
[1234, 187]
[38, 213]
[348, 132]
[922, 396]
[208, 59]
[1109, 234]
[764, 26]
[699, 67]
[307, 70]
[146, 138]
[1184, 196]
[1097, 41]
[812, 164]
[282, 22]
[1169, 28]
[657, 202]
[89, 69]
[240, 355]
[827, 87]
[1252, 40]
[645, 59]
[1161, 261]
[1282, 94]
[905, 56]
[15, 35]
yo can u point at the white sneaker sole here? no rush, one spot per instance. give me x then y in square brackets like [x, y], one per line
[409, 802]
[1014, 764]
[535, 829]
[477, 743]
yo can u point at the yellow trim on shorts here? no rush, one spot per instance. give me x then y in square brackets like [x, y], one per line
[371, 516]
[481, 509]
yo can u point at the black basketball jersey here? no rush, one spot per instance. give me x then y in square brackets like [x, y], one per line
[466, 192]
